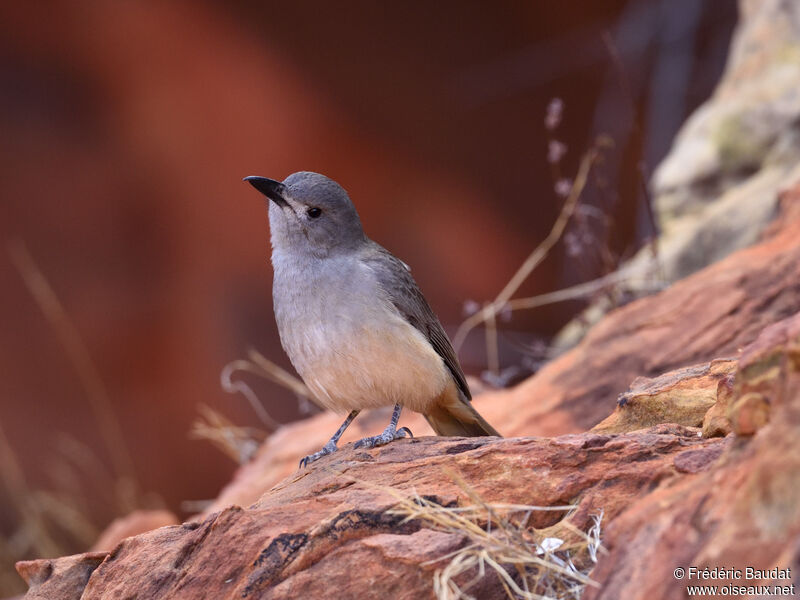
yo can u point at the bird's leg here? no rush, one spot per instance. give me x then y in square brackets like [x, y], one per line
[330, 447]
[389, 434]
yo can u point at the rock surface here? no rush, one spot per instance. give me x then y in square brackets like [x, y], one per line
[59, 578]
[670, 498]
[305, 537]
[696, 466]
[709, 315]
[744, 512]
[738, 148]
[139, 521]
[683, 396]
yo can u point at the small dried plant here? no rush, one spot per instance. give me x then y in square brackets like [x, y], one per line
[574, 226]
[64, 518]
[257, 364]
[528, 563]
[239, 443]
[488, 314]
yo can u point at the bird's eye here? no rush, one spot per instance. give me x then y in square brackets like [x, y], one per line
[314, 212]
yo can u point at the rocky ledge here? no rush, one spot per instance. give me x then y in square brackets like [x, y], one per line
[330, 531]
[697, 466]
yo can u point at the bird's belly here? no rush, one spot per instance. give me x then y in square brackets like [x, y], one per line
[376, 360]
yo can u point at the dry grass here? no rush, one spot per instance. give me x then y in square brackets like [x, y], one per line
[257, 364]
[240, 443]
[78, 354]
[528, 563]
[48, 523]
[60, 520]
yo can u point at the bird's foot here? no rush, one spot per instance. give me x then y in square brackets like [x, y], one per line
[328, 448]
[389, 435]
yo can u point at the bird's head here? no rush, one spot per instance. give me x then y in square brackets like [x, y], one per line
[311, 214]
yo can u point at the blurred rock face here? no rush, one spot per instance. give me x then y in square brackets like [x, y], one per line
[715, 191]
[127, 129]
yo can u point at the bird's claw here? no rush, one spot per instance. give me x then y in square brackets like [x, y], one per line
[328, 448]
[387, 436]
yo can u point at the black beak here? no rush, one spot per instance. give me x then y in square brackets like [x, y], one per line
[274, 190]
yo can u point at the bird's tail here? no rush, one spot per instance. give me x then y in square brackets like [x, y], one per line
[456, 417]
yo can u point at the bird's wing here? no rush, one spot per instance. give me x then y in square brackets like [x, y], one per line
[395, 278]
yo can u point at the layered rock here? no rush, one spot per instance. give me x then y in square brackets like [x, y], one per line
[745, 512]
[670, 495]
[327, 531]
[669, 498]
[684, 396]
[695, 465]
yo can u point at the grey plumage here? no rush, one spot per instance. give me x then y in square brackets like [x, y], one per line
[352, 319]
[407, 298]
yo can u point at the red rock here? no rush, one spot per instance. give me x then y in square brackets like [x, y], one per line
[708, 315]
[60, 578]
[670, 498]
[742, 512]
[311, 533]
[694, 461]
[135, 523]
[683, 396]
[716, 421]
[749, 413]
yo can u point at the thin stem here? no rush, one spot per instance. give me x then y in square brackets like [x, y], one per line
[78, 353]
[535, 258]
[492, 350]
[576, 291]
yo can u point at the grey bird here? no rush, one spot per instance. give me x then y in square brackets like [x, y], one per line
[352, 320]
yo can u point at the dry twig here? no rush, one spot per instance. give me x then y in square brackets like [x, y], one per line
[489, 312]
[240, 443]
[78, 353]
[259, 365]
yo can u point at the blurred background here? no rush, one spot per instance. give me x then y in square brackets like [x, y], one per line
[134, 261]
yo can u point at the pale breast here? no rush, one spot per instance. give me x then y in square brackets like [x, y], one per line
[348, 342]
